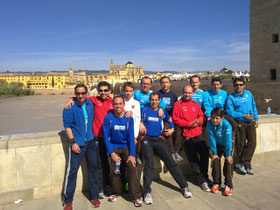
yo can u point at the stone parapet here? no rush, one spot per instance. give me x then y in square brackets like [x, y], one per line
[33, 165]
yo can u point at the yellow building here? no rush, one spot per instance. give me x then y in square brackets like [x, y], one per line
[36, 81]
[127, 72]
[117, 74]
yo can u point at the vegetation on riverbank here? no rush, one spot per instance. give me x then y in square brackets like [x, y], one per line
[13, 89]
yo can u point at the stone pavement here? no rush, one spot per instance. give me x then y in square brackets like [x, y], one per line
[259, 191]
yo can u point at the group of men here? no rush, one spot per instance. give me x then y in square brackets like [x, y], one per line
[126, 130]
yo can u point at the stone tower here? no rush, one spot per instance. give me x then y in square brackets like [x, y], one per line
[264, 40]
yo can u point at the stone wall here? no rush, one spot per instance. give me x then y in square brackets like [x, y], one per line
[264, 54]
[33, 166]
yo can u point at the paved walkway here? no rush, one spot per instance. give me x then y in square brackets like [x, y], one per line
[260, 191]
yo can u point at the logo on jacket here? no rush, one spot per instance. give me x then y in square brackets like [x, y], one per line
[153, 119]
[119, 127]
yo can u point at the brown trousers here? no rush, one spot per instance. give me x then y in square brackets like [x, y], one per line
[247, 133]
[227, 169]
[134, 186]
[174, 141]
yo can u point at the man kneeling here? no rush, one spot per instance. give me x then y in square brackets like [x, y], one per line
[118, 133]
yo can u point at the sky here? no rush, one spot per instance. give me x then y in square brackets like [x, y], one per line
[161, 35]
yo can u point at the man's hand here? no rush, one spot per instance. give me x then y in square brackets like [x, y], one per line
[76, 148]
[248, 116]
[168, 132]
[229, 159]
[194, 123]
[69, 103]
[160, 112]
[257, 124]
[116, 158]
[128, 114]
[142, 129]
[132, 159]
[214, 157]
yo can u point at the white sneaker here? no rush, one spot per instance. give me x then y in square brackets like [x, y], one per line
[187, 193]
[148, 199]
[112, 198]
[138, 203]
[204, 186]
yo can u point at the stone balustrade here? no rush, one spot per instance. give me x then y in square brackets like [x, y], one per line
[33, 165]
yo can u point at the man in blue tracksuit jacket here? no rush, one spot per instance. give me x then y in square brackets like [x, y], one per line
[78, 126]
[216, 97]
[118, 134]
[154, 141]
[242, 107]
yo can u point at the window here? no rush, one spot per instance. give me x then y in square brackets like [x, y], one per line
[275, 38]
[272, 74]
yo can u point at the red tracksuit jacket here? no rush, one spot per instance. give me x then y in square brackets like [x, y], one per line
[101, 108]
[186, 111]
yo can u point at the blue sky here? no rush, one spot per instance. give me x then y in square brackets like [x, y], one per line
[173, 35]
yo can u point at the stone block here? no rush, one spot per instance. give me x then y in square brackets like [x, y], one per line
[42, 192]
[258, 146]
[48, 191]
[268, 137]
[34, 166]
[8, 170]
[59, 156]
[277, 136]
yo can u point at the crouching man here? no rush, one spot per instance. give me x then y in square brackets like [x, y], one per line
[118, 133]
[153, 141]
[78, 126]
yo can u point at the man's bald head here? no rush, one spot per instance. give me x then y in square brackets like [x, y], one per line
[187, 92]
[187, 87]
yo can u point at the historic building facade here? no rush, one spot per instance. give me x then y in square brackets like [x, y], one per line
[265, 40]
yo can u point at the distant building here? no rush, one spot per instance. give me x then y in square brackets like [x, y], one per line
[117, 74]
[264, 40]
[127, 72]
[36, 80]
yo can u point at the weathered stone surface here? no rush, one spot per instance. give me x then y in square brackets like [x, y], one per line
[34, 166]
[11, 197]
[268, 137]
[48, 191]
[8, 173]
[59, 152]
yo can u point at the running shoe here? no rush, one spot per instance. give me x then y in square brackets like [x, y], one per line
[68, 206]
[241, 168]
[250, 171]
[227, 191]
[187, 193]
[112, 198]
[138, 203]
[215, 188]
[95, 203]
[148, 199]
[178, 157]
[204, 186]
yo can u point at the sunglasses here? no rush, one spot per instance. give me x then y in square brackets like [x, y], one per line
[80, 93]
[240, 85]
[103, 90]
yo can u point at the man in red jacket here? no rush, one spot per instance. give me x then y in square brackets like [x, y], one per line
[188, 115]
[103, 104]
